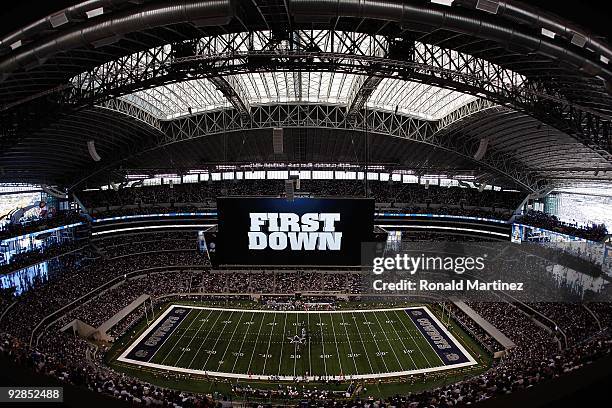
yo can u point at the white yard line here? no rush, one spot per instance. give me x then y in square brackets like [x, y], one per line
[350, 344]
[416, 344]
[376, 343]
[217, 341]
[388, 341]
[280, 360]
[263, 372]
[309, 350]
[297, 326]
[310, 377]
[363, 343]
[182, 335]
[230, 340]
[204, 341]
[402, 341]
[166, 339]
[336, 342]
[323, 344]
[190, 341]
[242, 344]
[255, 346]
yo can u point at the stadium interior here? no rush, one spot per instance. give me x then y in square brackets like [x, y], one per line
[145, 145]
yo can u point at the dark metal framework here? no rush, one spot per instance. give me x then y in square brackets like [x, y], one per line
[334, 117]
[370, 55]
[232, 94]
[361, 94]
[555, 81]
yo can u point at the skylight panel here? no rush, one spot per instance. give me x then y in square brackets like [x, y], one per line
[416, 99]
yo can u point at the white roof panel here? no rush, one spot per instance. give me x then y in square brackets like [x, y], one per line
[411, 98]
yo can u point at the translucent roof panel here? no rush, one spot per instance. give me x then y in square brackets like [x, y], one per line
[311, 87]
[409, 98]
[199, 95]
[174, 100]
[415, 99]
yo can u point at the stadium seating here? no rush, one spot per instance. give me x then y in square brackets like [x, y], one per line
[539, 354]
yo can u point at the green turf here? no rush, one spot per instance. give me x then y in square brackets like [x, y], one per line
[376, 388]
[258, 344]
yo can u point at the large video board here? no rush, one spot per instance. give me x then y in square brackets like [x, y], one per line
[303, 231]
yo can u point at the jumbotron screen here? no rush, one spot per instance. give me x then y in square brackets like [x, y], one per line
[302, 231]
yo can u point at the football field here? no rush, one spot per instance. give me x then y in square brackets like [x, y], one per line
[284, 345]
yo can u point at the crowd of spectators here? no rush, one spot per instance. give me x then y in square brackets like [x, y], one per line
[497, 214]
[78, 277]
[103, 307]
[568, 255]
[470, 326]
[145, 236]
[536, 358]
[395, 194]
[434, 236]
[25, 259]
[539, 354]
[58, 219]
[300, 304]
[456, 210]
[532, 340]
[550, 222]
[86, 270]
[576, 321]
[148, 242]
[153, 209]
[280, 282]
[69, 364]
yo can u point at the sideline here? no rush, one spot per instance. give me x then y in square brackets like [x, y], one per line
[123, 358]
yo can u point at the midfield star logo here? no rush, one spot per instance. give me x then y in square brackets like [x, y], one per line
[306, 233]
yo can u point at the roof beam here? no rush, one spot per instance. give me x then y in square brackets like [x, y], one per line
[332, 117]
[360, 94]
[127, 108]
[232, 91]
[477, 107]
[347, 53]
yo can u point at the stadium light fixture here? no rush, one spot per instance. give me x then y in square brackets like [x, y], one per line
[95, 12]
[447, 3]
[548, 33]
[58, 20]
[578, 40]
[489, 6]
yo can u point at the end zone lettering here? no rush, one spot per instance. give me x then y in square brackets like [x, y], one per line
[447, 350]
[161, 333]
[433, 333]
[309, 232]
[146, 347]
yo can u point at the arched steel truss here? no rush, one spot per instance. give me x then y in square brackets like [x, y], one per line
[334, 51]
[561, 82]
[334, 117]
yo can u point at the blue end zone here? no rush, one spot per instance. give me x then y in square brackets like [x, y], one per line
[148, 346]
[446, 348]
